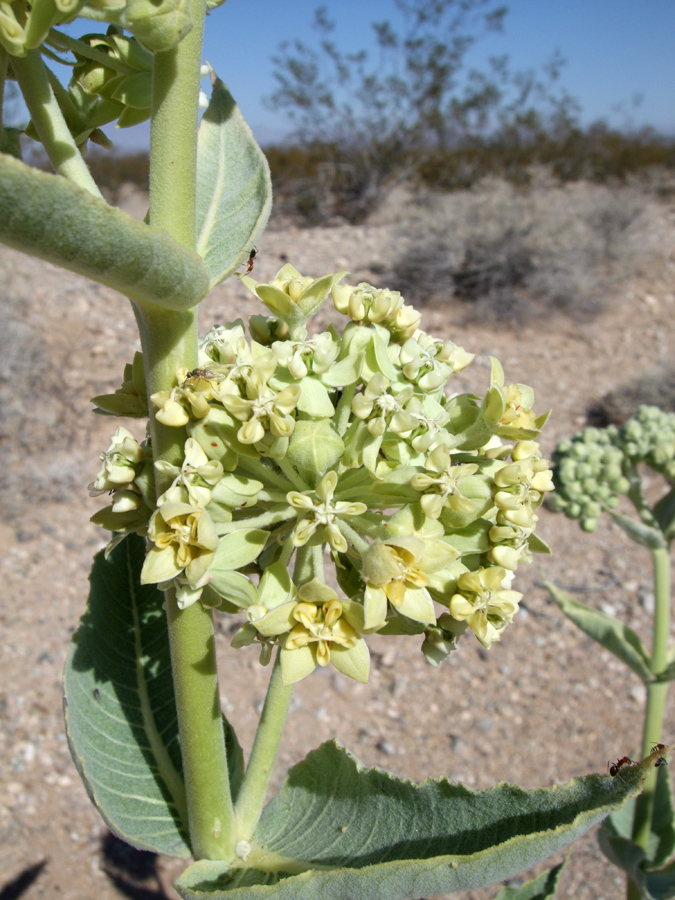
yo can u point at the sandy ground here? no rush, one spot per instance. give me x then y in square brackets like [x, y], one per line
[542, 706]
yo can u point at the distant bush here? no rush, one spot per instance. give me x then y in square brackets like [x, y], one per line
[656, 387]
[510, 254]
[413, 111]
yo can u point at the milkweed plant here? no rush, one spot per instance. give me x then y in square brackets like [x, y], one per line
[321, 486]
[628, 475]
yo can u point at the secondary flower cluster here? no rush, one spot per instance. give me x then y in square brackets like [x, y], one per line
[596, 466]
[340, 446]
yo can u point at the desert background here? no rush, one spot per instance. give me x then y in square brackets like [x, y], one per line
[589, 326]
[523, 233]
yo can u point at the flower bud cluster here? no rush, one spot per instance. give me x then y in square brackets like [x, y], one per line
[119, 90]
[158, 25]
[649, 437]
[589, 475]
[353, 447]
[594, 467]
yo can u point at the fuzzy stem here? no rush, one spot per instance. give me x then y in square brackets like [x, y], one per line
[264, 520]
[656, 692]
[253, 791]
[173, 133]
[50, 124]
[169, 341]
[264, 473]
[202, 741]
[359, 543]
[292, 475]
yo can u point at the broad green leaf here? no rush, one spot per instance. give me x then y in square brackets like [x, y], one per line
[49, 217]
[541, 888]
[336, 830]
[234, 190]
[614, 636]
[120, 710]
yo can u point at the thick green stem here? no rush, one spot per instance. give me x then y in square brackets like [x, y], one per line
[656, 692]
[253, 791]
[173, 133]
[50, 124]
[169, 341]
[202, 742]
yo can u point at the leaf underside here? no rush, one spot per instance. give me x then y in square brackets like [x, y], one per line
[336, 830]
[120, 709]
[234, 189]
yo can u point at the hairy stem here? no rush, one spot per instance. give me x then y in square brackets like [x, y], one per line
[656, 692]
[50, 124]
[169, 341]
[173, 133]
[202, 741]
[253, 791]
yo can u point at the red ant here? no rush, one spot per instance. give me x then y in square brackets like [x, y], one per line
[661, 761]
[251, 258]
[624, 761]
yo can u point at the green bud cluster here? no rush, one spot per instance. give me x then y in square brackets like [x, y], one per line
[119, 90]
[649, 437]
[348, 447]
[594, 467]
[589, 474]
[158, 25]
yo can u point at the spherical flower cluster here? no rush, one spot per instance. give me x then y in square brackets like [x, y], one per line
[336, 484]
[594, 467]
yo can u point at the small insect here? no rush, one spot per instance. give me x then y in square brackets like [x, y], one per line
[97, 694]
[94, 492]
[661, 761]
[204, 373]
[614, 768]
[250, 260]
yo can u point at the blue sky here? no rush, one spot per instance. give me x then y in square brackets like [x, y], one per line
[615, 50]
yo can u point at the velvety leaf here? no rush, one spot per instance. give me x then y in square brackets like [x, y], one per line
[543, 887]
[374, 836]
[234, 190]
[614, 636]
[50, 217]
[120, 709]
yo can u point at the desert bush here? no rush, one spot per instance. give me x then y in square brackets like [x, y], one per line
[656, 387]
[511, 253]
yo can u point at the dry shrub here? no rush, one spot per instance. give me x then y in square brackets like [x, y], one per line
[656, 387]
[516, 253]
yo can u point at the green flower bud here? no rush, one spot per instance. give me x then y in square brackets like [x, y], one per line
[314, 448]
[158, 26]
